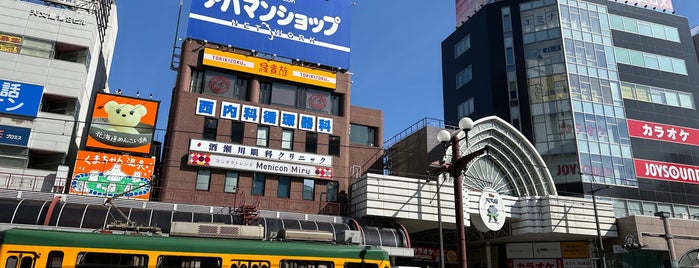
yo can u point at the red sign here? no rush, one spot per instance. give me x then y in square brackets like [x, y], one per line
[662, 132]
[534, 263]
[666, 171]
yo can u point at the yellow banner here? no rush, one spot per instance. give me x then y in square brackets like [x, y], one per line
[10, 39]
[575, 250]
[268, 68]
[9, 48]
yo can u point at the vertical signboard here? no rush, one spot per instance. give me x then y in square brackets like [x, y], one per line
[108, 175]
[20, 98]
[311, 31]
[122, 124]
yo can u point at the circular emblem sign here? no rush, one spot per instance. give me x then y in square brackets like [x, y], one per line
[318, 101]
[219, 84]
[491, 210]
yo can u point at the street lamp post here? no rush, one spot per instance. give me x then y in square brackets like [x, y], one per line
[439, 222]
[600, 245]
[455, 168]
[665, 216]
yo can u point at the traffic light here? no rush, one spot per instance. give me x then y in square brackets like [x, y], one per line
[634, 245]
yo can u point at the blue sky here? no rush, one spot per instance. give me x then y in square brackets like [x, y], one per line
[395, 54]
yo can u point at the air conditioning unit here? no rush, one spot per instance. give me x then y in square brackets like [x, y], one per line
[349, 237]
[220, 230]
[305, 235]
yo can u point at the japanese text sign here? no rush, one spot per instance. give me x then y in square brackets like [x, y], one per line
[263, 67]
[248, 164]
[20, 98]
[107, 175]
[662, 132]
[122, 123]
[259, 153]
[14, 135]
[666, 171]
[312, 31]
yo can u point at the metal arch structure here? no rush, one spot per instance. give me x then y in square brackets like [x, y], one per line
[511, 166]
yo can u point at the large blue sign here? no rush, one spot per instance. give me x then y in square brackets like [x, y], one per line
[316, 31]
[14, 135]
[19, 98]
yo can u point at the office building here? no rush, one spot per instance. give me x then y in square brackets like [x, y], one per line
[54, 56]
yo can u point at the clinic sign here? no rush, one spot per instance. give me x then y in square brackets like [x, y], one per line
[264, 116]
[20, 98]
[257, 165]
[268, 68]
[311, 31]
[262, 153]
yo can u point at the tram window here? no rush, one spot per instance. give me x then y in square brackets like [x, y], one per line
[11, 262]
[95, 259]
[27, 262]
[361, 265]
[305, 264]
[188, 261]
[55, 259]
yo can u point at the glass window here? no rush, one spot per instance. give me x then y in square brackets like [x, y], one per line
[219, 84]
[284, 95]
[197, 80]
[686, 100]
[37, 48]
[265, 93]
[462, 46]
[309, 186]
[651, 61]
[241, 89]
[665, 64]
[311, 142]
[636, 58]
[509, 56]
[678, 66]
[627, 91]
[672, 98]
[203, 179]
[644, 28]
[284, 187]
[334, 146]
[363, 135]
[237, 132]
[99, 259]
[55, 259]
[210, 128]
[287, 139]
[332, 191]
[464, 76]
[622, 55]
[318, 101]
[616, 22]
[630, 25]
[672, 34]
[258, 184]
[231, 183]
[262, 136]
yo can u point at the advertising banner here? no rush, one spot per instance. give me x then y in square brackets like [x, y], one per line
[107, 175]
[268, 68]
[552, 263]
[237, 163]
[20, 98]
[662, 132]
[575, 250]
[122, 124]
[659, 5]
[666, 171]
[18, 136]
[311, 31]
[10, 43]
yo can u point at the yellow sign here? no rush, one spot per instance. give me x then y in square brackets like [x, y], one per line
[9, 48]
[268, 68]
[10, 43]
[575, 250]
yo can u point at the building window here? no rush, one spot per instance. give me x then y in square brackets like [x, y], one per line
[332, 191]
[362, 135]
[44, 48]
[464, 76]
[465, 108]
[237, 132]
[210, 128]
[231, 183]
[203, 179]
[287, 139]
[301, 98]
[462, 46]
[262, 136]
[58, 104]
[258, 184]
[219, 84]
[284, 187]
[311, 142]
[309, 186]
[334, 146]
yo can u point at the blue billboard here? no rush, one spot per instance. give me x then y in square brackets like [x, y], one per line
[316, 31]
[20, 98]
[14, 135]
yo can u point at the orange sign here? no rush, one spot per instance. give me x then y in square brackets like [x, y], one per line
[122, 124]
[108, 175]
[263, 67]
[575, 250]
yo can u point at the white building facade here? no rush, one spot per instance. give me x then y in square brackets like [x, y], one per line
[54, 56]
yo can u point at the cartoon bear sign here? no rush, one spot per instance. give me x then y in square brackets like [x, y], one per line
[122, 124]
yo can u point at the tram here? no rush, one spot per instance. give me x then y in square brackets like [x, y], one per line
[27, 248]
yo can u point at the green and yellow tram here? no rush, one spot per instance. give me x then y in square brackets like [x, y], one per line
[27, 248]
